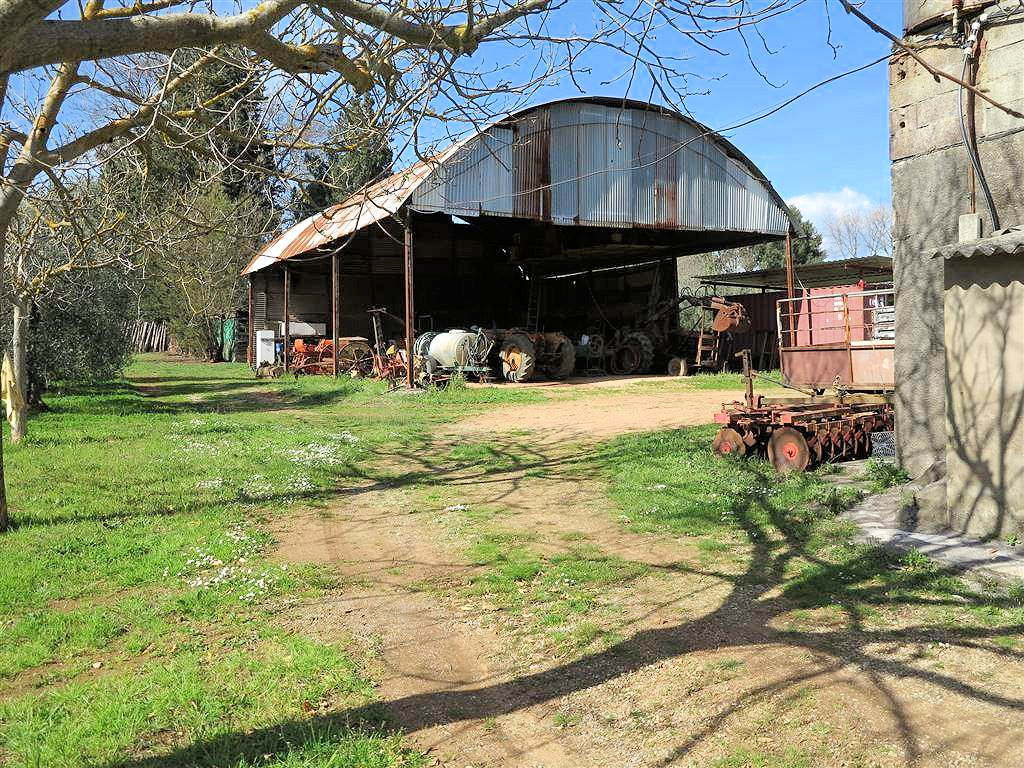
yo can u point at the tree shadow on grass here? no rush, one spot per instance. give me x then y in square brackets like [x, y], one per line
[762, 593]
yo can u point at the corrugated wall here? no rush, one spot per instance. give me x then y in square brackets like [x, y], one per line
[598, 165]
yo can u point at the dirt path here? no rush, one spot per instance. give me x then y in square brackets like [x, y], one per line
[603, 416]
[399, 603]
[705, 669]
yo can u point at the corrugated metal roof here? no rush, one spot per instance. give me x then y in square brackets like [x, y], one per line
[589, 161]
[1006, 242]
[871, 269]
[368, 206]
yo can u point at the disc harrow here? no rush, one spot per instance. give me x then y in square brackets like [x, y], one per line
[799, 434]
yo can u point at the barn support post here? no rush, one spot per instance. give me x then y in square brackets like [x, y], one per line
[409, 308]
[334, 311]
[287, 322]
[251, 331]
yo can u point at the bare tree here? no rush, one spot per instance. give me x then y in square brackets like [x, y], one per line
[861, 233]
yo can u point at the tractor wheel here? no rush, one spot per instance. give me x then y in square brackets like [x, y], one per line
[788, 450]
[355, 359]
[678, 366]
[645, 348]
[518, 357]
[565, 354]
[728, 443]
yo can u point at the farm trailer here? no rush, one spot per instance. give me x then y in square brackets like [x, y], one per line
[837, 350]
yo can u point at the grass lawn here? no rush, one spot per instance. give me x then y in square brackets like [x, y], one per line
[140, 607]
[136, 597]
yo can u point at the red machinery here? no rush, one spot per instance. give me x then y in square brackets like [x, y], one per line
[840, 342]
[354, 357]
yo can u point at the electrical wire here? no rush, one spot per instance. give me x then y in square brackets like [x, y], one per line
[680, 146]
[968, 145]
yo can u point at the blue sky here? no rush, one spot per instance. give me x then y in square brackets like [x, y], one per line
[828, 151]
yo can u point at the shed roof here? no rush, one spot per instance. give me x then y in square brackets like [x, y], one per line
[870, 269]
[591, 161]
[1006, 242]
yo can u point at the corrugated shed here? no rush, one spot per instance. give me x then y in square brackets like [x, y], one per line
[1006, 242]
[583, 162]
[598, 164]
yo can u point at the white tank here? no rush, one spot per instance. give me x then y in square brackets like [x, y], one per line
[451, 349]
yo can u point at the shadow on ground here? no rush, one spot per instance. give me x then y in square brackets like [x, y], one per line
[765, 590]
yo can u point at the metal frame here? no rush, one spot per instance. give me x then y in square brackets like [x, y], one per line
[865, 354]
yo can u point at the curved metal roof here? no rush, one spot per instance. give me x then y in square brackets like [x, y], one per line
[591, 161]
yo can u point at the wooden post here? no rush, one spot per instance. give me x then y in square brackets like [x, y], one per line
[334, 310]
[409, 308]
[287, 321]
[251, 330]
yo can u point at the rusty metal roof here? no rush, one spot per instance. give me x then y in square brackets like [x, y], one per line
[871, 269]
[371, 204]
[589, 161]
[1006, 242]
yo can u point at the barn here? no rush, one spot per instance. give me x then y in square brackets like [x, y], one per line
[568, 216]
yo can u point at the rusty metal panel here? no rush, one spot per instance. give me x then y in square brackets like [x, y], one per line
[873, 367]
[816, 367]
[531, 166]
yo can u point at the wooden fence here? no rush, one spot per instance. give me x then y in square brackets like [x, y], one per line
[150, 336]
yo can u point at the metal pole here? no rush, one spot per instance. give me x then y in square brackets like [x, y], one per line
[409, 308]
[790, 291]
[748, 376]
[252, 330]
[334, 311]
[287, 322]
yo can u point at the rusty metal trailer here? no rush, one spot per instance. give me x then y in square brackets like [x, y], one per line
[837, 349]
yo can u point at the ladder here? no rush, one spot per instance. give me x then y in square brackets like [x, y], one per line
[708, 343]
[533, 306]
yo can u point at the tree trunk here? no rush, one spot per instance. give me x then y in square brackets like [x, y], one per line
[19, 364]
[5, 521]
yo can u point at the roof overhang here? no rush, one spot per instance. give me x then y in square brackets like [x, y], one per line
[824, 274]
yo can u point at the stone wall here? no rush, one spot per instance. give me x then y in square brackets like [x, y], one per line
[931, 188]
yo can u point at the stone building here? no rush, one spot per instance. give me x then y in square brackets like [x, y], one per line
[934, 183]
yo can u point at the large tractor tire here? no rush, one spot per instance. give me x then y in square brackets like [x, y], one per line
[561, 354]
[644, 345]
[517, 357]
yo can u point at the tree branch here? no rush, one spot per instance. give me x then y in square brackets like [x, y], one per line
[934, 72]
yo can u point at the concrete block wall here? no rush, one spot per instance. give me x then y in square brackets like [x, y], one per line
[931, 188]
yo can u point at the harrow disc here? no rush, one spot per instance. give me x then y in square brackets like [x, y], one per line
[788, 450]
[728, 443]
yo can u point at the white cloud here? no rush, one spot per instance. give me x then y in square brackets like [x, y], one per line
[822, 207]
